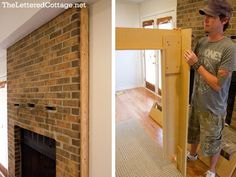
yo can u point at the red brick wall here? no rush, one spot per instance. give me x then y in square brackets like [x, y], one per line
[43, 69]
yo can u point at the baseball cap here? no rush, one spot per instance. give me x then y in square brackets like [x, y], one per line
[216, 8]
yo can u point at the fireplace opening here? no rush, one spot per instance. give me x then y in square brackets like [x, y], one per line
[38, 155]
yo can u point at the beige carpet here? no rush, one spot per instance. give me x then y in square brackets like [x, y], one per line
[139, 156]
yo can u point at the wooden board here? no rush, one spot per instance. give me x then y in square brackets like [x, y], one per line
[156, 114]
[183, 93]
[172, 44]
[84, 163]
[140, 38]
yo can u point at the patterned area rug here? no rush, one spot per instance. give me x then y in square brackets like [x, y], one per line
[137, 155]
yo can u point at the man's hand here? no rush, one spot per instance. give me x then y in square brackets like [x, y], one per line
[190, 57]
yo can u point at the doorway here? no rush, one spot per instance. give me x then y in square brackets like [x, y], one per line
[152, 58]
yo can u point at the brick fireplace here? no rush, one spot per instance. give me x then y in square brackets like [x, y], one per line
[47, 95]
[38, 154]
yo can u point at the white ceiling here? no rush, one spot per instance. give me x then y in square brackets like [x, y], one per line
[16, 23]
[134, 1]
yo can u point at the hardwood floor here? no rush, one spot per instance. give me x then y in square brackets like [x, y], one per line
[136, 103]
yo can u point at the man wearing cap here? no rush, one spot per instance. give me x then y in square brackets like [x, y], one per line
[213, 59]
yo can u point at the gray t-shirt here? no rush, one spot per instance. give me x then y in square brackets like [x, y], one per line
[213, 56]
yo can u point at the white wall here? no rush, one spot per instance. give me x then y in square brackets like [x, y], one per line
[128, 69]
[128, 64]
[3, 64]
[157, 9]
[28, 19]
[3, 111]
[127, 14]
[22, 15]
[3, 127]
[101, 106]
[153, 6]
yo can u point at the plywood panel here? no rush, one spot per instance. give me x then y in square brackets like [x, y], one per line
[172, 44]
[140, 38]
[170, 110]
[156, 113]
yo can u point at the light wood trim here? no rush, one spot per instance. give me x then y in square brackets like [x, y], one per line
[163, 102]
[84, 70]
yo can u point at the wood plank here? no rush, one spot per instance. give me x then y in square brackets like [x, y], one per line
[156, 113]
[84, 150]
[183, 93]
[141, 38]
[172, 45]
